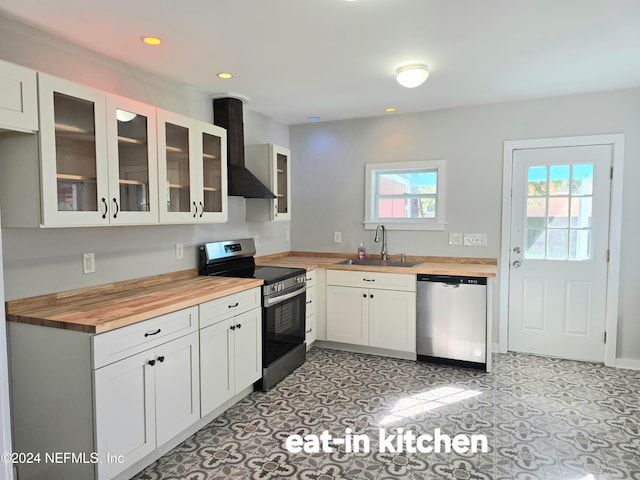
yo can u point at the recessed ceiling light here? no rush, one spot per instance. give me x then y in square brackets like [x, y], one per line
[154, 41]
[390, 109]
[314, 118]
[225, 75]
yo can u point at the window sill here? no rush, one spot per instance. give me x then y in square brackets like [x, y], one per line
[408, 226]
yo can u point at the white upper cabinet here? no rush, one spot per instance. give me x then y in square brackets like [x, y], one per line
[272, 165]
[73, 154]
[18, 98]
[192, 170]
[133, 166]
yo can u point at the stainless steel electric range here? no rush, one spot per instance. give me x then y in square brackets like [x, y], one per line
[283, 304]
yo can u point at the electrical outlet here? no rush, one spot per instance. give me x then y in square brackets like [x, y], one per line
[287, 236]
[475, 239]
[179, 251]
[337, 237]
[455, 239]
[88, 263]
[256, 240]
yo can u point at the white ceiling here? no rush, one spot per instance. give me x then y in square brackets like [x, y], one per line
[337, 59]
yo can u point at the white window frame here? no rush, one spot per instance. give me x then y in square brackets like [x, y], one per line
[370, 198]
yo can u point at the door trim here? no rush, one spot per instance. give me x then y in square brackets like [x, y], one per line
[615, 228]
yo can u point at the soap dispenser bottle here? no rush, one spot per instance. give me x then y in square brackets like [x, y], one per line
[361, 251]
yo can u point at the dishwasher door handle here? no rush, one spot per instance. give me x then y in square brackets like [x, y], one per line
[451, 285]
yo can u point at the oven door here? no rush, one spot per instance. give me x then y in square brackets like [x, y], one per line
[283, 324]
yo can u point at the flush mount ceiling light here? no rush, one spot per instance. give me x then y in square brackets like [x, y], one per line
[390, 109]
[225, 75]
[413, 75]
[153, 41]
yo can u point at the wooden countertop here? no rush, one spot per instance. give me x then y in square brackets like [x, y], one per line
[107, 307]
[461, 266]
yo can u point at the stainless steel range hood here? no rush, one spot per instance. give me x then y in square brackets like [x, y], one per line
[227, 113]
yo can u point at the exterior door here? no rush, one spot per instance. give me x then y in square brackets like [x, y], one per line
[559, 251]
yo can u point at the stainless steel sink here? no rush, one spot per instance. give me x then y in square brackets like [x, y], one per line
[378, 263]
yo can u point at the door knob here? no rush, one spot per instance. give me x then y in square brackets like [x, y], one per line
[517, 264]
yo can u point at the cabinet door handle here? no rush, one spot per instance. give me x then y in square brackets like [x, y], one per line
[308, 302]
[275, 206]
[106, 208]
[201, 209]
[151, 362]
[115, 215]
[235, 304]
[161, 358]
[364, 295]
[371, 296]
[238, 326]
[232, 327]
[195, 209]
[149, 334]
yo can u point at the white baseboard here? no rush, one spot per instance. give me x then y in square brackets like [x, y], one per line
[628, 363]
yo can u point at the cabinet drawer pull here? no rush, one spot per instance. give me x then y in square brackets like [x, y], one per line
[150, 334]
[234, 305]
[161, 358]
[368, 279]
[151, 362]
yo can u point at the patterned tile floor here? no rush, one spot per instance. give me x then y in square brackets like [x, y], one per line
[543, 418]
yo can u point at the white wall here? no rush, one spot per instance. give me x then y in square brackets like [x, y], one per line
[328, 183]
[38, 261]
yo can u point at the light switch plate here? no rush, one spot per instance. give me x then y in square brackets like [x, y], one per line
[475, 239]
[455, 239]
[337, 237]
[179, 251]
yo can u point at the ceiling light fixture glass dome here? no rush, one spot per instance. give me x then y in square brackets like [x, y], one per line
[413, 75]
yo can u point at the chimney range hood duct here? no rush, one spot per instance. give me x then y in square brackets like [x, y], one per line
[227, 113]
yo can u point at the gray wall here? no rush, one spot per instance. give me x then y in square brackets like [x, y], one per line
[38, 261]
[328, 182]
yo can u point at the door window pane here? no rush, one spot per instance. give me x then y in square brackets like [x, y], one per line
[283, 193]
[580, 245]
[212, 171]
[559, 180]
[559, 212]
[537, 179]
[557, 244]
[535, 244]
[582, 182]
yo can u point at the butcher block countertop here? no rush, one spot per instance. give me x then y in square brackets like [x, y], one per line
[461, 266]
[107, 307]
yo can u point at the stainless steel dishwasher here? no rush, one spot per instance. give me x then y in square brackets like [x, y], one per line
[452, 320]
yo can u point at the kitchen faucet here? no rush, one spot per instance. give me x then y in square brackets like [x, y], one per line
[383, 252]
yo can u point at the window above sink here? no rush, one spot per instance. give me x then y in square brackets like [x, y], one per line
[405, 195]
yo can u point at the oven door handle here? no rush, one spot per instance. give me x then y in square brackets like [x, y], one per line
[274, 301]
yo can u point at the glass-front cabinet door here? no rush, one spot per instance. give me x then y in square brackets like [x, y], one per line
[282, 183]
[177, 180]
[73, 145]
[133, 172]
[212, 156]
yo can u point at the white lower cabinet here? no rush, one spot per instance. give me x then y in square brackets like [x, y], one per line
[230, 349]
[145, 400]
[310, 310]
[374, 317]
